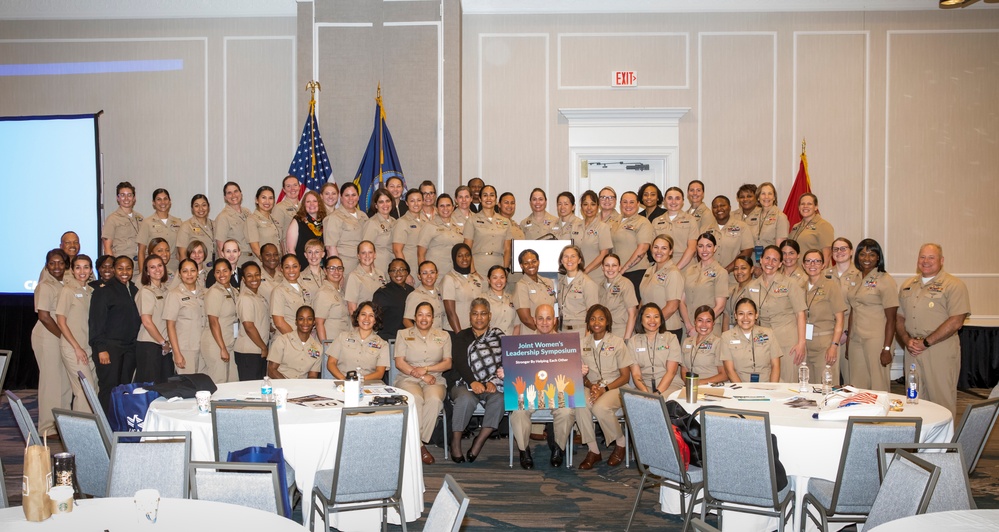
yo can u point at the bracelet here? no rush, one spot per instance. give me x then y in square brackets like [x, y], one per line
[835, 344]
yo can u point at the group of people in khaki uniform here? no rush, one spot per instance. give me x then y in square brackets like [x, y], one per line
[647, 287]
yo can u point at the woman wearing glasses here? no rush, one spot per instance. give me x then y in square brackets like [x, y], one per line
[849, 277]
[824, 308]
[332, 317]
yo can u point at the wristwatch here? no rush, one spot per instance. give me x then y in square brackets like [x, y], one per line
[887, 348]
[925, 343]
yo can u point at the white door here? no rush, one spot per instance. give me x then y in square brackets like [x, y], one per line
[621, 174]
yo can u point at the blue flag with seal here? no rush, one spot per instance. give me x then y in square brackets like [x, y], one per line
[311, 165]
[380, 161]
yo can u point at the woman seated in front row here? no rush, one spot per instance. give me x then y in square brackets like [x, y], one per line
[750, 353]
[360, 349]
[297, 354]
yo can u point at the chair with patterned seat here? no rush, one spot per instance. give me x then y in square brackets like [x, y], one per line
[976, 426]
[905, 490]
[81, 434]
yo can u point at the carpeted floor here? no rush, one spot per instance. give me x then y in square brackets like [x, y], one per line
[504, 498]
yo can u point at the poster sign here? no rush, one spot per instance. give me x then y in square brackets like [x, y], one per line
[542, 372]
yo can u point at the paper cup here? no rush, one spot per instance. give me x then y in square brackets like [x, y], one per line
[62, 499]
[204, 399]
[147, 506]
[281, 397]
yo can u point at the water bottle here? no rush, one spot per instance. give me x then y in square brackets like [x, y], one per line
[912, 388]
[803, 378]
[827, 380]
[267, 391]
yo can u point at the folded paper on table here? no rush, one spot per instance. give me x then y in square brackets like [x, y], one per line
[842, 407]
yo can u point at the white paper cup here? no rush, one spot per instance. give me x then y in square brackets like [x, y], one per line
[62, 499]
[204, 399]
[281, 397]
[147, 506]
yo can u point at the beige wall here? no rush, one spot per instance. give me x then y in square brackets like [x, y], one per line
[900, 111]
[228, 114]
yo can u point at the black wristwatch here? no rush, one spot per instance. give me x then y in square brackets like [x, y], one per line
[925, 343]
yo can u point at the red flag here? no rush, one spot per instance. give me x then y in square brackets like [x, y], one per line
[801, 186]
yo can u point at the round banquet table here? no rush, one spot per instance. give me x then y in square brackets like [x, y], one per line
[808, 447]
[964, 520]
[309, 439]
[181, 515]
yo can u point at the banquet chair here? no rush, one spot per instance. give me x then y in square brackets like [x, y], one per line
[240, 424]
[23, 418]
[5, 356]
[539, 416]
[366, 474]
[976, 426]
[701, 526]
[95, 405]
[449, 508]
[159, 461]
[324, 373]
[82, 436]
[657, 455]
[905, 490]
[739, 466]
[849, 498]
[251, 485]
[4, 503]
[953, 490]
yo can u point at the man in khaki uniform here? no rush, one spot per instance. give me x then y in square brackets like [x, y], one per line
[932, 308]
[520, 420]
[121, 228]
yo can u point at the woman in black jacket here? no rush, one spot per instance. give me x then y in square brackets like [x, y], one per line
[114, 326]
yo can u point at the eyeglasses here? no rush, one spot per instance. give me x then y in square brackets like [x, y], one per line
[334, 268]
[430, 272]
[840, 250]
[429, 193]
[607, 197]
[812, 261]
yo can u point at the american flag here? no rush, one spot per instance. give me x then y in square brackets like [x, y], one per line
[311, 164]
[862, 398]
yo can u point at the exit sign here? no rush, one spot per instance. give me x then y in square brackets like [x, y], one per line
[624, 78]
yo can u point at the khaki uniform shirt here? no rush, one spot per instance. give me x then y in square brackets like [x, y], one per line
[574, 299]
[122, 230]
[286, 300]
[331, 306]
[770, 227]
[437, 238]
[351, 352]
[816, 234]
[661, 286]
[823, 300]
[221, 303]
[284, 211]
[74, 303]
[361, 285]
[750, 355]
[732, 238]
[488, 235]
[379, 232]
[461, 289]
[343, 230]
[265, 229]
[407, 233]
[534, 229]
[268, 282]
[705, 218]
[700, 357]
[187, 309]
[564, 229]
[231, 225]
[606, 361]
[434, 297]
[504, 316]
[150, 301]
[192, 230]
[778, 304]
[653, 356]
[630, 233]
[619, 297]
[295, 358]
[868, 300]
[252, 307]
[153, 227]
[311, 284]
[422, 352]
[926, 307]
[593, 238]
[703, 284]
[683, 228]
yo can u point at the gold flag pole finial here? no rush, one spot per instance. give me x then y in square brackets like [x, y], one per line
[802, 146]
[313, 86]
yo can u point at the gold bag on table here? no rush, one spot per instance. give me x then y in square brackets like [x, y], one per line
[36, 483]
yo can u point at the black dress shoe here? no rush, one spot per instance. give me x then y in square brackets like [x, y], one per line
[526, 460]
[471, 457]
[558, 455]
[457, 458]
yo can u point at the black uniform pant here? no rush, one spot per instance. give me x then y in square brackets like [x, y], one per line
[251, 366]
[119, 370]
[151, 365]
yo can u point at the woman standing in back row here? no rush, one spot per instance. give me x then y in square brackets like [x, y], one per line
[72, 313]
[53, 386]
[230, 224]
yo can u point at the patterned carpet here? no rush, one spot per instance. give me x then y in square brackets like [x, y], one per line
[504, 498]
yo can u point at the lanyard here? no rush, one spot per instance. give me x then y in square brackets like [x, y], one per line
[652, 358]
[808, 307]
[603, 343]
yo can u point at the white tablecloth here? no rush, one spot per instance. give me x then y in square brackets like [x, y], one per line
[309, 438]
[180, 515]
[808, 447]
[964, 520]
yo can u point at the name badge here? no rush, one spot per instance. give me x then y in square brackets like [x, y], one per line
[809, 329]
[754, 377]
[640, 350]
[735, 342]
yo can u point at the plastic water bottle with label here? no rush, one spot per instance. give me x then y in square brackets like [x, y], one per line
[827, 384]
[912, 386]
[803, 378]
[267, 391]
